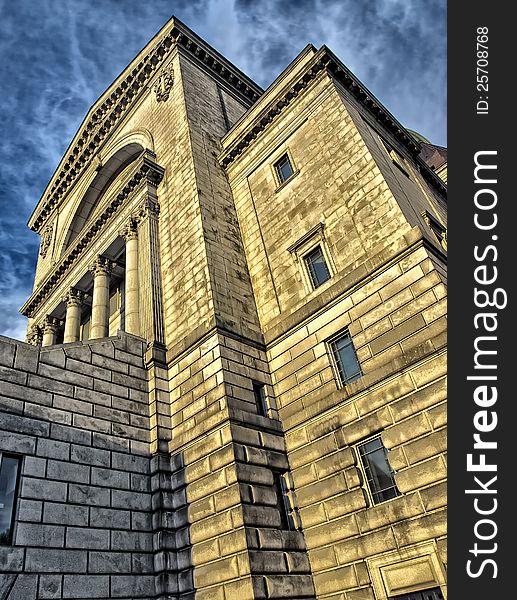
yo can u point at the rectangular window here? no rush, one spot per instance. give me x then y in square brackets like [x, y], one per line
[259, 391]
[345, 359]
[439, 231]
[432, 594]
[284, 168]
[283, 500]
[396, 159]
[9, 476]
[317, 267]
[378, 473]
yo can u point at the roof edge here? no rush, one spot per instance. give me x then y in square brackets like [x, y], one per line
[114, 102]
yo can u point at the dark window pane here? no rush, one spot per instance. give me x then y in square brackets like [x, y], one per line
[379, 475]
[317, 267]
[346, 359]
[284, 168]
[259, 390]
[8, 485]
[431, 594]
[283, 502]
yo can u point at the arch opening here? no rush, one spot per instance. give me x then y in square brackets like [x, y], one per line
[99, 186]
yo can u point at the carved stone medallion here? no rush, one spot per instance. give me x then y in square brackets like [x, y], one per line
[163, 85]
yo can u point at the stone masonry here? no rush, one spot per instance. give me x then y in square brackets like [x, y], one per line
[211, 449]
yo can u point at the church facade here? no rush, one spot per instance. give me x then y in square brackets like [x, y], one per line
[233, 385]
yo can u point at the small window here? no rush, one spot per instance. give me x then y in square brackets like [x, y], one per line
[284, 169]
[259, 391]
[378, 473]
[431, 594]
[345, 359]
[9, 477]
[396, 158]
[438, 230]
[317, 267]
[284, 500]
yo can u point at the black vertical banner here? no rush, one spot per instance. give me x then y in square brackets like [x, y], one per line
[482, 244]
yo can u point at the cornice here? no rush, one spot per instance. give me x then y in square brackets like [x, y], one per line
[146, 171]
[323, 61]
[116, 101]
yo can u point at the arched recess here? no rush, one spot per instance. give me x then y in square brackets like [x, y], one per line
[114, 158]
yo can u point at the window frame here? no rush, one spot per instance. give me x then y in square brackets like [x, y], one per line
[366, 486]
[396, 158]
[260, 395]
[286, 500]
[280, 183]
[337, 368]
[438, 230]
[315, 285]
[419, 594]
[305, 245]
[19, 459]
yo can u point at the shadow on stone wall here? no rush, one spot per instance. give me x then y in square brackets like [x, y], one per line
[174, 570]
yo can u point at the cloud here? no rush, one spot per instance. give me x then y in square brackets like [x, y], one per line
[58, 57]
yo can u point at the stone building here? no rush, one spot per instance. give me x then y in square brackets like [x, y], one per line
[234, 386]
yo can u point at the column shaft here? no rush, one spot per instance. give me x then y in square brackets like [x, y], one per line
[132, 320]
[101, 270]
[73, 316]
[50, 328]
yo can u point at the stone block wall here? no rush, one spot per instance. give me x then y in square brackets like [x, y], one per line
[397, 322]
[388, 292]
[226, 456]
[77, 414]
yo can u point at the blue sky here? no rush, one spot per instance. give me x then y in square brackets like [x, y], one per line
[58, 56]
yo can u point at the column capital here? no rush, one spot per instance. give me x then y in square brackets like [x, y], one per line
[34, 335]
[130, 230]
[101, 265]
[51, 324]
[74, 297]
[148, 208]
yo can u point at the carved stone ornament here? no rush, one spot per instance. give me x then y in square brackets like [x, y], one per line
[74, 297]
[46, 238]
[35, 335]
[149, 208]
[101, 266]
[51, 324]
[162, 87]
[130, 230]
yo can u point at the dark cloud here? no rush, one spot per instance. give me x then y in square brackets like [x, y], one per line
[58, 56]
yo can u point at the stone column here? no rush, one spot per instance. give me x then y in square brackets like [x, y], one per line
[132, 319]
[74, 301]
[150, 277]
[50, 328]
[101, 270]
